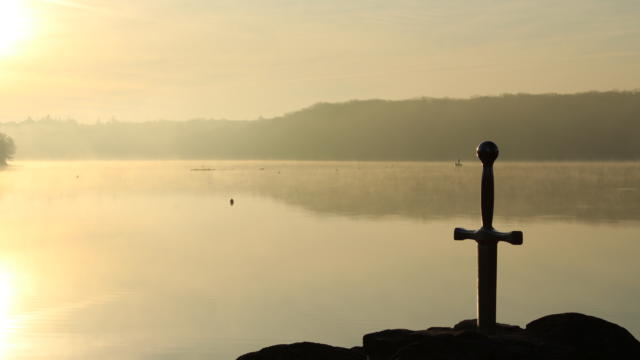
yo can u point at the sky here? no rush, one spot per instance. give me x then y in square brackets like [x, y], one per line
[147, 60]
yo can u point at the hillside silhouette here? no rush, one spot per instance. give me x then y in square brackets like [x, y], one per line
[584, 126]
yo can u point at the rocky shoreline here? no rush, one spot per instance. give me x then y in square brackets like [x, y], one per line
[558, 336]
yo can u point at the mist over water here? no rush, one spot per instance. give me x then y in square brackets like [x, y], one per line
[148, 260]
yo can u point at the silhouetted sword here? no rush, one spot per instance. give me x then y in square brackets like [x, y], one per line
[487, 238]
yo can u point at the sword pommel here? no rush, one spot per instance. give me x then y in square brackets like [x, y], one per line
[487, 152]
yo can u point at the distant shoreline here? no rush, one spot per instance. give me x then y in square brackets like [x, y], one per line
[596, 126]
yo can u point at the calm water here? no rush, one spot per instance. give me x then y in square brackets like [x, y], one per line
[148, 260]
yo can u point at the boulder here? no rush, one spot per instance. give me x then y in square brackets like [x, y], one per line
[555, 337]
[304, 351]
[460, 342]
[585, 337]
[384, 344]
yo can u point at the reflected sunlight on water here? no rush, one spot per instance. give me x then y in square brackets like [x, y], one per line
[8, 319]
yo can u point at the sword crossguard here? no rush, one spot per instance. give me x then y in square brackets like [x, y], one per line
[488, 236]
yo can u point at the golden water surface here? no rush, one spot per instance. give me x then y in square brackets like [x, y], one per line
[148, 260]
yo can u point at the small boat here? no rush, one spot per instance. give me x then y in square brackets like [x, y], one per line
[458, 163]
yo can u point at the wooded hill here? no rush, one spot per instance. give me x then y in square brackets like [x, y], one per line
[584, 126]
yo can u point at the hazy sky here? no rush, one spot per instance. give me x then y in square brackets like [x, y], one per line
[241, 59]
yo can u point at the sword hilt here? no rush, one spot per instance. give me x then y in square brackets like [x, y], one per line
[485, 236]
[487, 153]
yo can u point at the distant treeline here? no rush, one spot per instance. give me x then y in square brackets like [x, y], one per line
[585, 126]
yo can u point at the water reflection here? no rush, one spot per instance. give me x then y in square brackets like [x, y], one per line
[8, 321]
[580, 191]
[143, 260]
[575, 191]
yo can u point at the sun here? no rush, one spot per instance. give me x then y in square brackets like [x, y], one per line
[14, 24]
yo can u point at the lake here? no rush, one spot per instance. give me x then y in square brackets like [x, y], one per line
[148, 260]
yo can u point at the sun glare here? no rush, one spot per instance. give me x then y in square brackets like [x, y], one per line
[14, 24]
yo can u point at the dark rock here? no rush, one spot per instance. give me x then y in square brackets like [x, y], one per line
[585, 337]
[554, 337]
[447, 346]
[471, 325]
[449, 343]
[304, 351]
[359, 350]
[382, 345]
